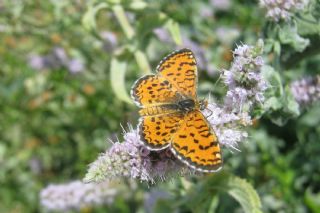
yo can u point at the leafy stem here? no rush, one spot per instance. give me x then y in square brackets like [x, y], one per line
[128, 30]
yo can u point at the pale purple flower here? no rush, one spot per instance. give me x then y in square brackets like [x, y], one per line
[227, 35]
[75, 65]
[227, 125]
[3, 28]
[132, 159]
[202, 61]
[35, 165]
[199, 52]
[151, 198]
[56, 59]
[77, 195]
[307, 90]
[244, 79]
[206, 12]
[110, 41]
[163, 35]
[36, 62]
[282, 9]
[60, 54]
[221, 4]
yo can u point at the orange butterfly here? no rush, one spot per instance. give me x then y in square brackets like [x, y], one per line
[171, 113]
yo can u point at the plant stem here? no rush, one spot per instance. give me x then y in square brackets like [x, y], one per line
[139, 55]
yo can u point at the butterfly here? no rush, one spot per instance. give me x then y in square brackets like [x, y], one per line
[171, 114]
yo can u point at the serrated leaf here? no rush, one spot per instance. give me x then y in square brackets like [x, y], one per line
[117, 73]
[243, 192]
[89, 18]
[199, 197]
[288, 34]
[272, 103]
[174, 30]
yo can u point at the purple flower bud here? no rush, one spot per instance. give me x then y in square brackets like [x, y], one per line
[110, 40]
[36, 62]
[75, 66]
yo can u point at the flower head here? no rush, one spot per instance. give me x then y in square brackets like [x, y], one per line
[77, 195]
[227, 125]
[57, 58]
[282, 9]
[244, 80]
[307, 90]
[133, 160]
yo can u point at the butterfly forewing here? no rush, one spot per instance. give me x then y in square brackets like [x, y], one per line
[180, 69]
[151, 90]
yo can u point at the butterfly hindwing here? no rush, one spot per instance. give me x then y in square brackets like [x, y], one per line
[196, 144]
[156, 131]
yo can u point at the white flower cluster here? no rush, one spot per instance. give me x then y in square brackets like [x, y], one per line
[76, 195]
[282, 9]
[133, 160]
[244, 80]
[307, 90]
[226, 125]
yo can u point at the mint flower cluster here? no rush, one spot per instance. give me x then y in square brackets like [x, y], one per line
[282, 9]
[307, 90]
[244, 80]
[132, 160]
[77, 195]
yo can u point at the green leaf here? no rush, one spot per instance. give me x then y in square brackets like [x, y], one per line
[312, 201]
[138, 5]
[142, 61]
[288, 34]
[277, 47]
[174, 30]
[272, 103]
[273, 78]
[117, 72]
[89, 18]
[245, 194]
[201, 197]
[292, 105]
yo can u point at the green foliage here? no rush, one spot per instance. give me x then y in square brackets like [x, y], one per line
[201, 194]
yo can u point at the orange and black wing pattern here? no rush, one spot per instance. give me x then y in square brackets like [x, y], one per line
[180, 69]
[156, 131]
[196, 144]
[151, 90]
[163, 124]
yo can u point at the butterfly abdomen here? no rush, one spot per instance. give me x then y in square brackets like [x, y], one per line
[158, 110]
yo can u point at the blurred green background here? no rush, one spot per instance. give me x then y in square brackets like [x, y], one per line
[66, 69]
